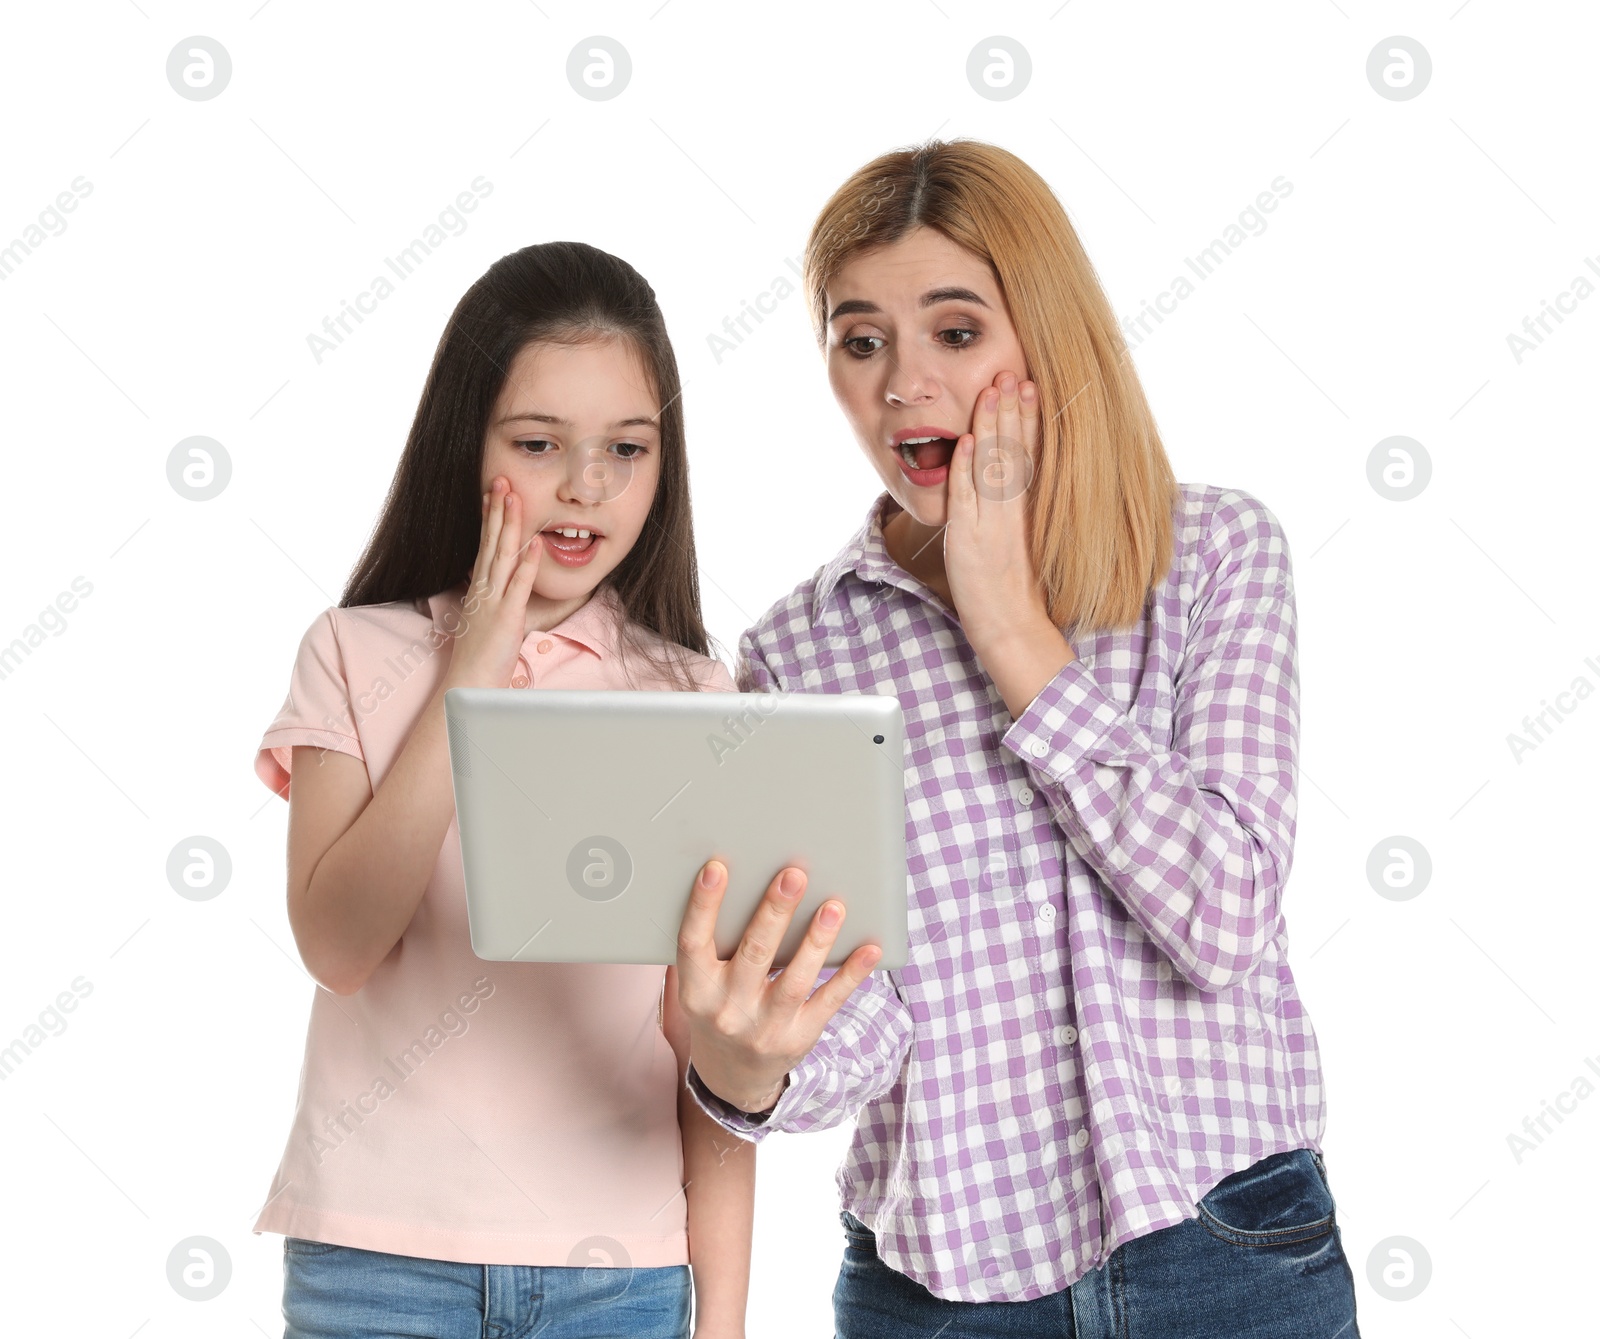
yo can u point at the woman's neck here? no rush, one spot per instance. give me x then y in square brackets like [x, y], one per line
[919, 549]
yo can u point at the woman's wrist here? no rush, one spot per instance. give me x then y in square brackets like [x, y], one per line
[1021, 661]
[766, 1104]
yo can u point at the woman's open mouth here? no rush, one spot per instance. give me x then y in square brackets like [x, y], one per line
[924, 455]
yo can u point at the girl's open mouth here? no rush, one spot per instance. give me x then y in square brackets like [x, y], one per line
[571, 546]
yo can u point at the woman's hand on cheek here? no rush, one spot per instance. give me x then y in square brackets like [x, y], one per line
[986, 557]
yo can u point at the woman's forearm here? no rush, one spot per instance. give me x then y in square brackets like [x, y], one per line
[1023, 660]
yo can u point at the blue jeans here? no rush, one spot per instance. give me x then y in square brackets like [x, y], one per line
[342, 1292]
[1262, 1261]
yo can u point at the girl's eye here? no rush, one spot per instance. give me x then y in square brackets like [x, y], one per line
[542, 446]
[853, 341]
[967, 337]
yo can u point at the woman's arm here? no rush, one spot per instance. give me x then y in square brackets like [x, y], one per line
[859, 1055]
[1195, 839]
[719, 1171]
[856, 1051]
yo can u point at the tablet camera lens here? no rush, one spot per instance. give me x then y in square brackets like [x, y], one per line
[877, 739]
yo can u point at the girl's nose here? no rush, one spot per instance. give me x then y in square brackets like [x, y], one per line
[592, 476]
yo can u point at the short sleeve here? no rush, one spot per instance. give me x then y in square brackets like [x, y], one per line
[717, 679]
[317, 710]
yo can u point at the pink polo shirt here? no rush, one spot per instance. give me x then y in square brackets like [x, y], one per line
[452, 1108]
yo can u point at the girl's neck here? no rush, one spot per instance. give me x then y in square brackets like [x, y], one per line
[543, 614]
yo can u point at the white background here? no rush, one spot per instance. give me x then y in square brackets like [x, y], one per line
[1378, 301]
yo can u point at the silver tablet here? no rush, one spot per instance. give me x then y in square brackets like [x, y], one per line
[585, 816]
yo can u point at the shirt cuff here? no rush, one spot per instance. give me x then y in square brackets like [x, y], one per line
[1059, 728]
[753, 1125]
[724, 1113]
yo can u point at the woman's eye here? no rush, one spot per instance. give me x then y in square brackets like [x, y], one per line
[967, 336]
[853, 341]
[634, 449]
[535, 445]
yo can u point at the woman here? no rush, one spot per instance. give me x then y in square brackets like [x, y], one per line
[1091, 1101]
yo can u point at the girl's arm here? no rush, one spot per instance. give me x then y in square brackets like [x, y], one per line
[360, 862]
[719, 1183]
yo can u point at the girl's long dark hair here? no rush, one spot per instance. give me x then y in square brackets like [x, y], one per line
[426, 538]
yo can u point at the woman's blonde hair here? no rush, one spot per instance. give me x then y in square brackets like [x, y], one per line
[1101, 502]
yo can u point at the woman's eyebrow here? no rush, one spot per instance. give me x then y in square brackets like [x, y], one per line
[952, 293]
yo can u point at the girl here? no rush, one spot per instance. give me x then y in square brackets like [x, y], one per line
[1091, 1102]
[494, 1148]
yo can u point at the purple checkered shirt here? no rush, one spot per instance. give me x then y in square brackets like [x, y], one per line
[1097, 1021]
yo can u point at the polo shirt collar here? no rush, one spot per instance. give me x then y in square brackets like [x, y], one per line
[592, 625]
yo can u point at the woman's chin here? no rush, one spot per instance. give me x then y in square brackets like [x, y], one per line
[925, 506]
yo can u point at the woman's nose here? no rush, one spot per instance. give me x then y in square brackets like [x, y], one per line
[910, 383]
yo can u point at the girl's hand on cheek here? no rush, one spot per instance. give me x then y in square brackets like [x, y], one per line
[986, 557]
[494, 609]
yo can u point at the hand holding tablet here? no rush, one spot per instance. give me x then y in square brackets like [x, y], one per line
[747, 1031]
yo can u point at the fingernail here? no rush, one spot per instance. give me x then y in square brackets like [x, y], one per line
[708, 874]
[789, 884]
[831, 915]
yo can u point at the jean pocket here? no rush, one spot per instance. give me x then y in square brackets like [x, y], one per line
[1281, 1199]
[857, 1235]
[303, 1246]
